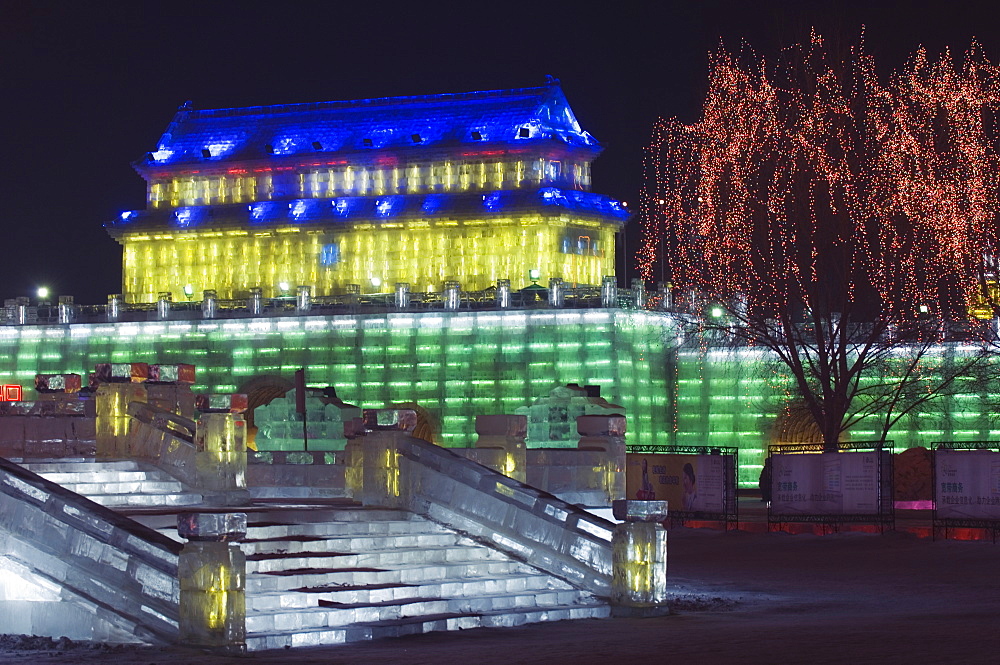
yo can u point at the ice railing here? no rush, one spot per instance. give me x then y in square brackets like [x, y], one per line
[395, 470]
[122, 571]
[299, 301]
[200, 455]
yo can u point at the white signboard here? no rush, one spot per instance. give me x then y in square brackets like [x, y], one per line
[825, 484]
[967, 484]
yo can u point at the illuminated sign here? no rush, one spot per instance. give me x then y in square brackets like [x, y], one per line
[10, 393]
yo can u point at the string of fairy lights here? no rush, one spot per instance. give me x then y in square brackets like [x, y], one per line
[808, 179]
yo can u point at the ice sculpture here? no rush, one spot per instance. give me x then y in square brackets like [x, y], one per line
[552, 419]
[639, 556]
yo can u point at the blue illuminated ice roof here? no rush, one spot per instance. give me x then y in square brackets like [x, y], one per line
[377, 209]
[502, 116]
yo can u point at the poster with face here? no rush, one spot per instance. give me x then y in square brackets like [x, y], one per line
[688, 483]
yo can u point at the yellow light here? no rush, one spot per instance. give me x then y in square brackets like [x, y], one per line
[474, 252]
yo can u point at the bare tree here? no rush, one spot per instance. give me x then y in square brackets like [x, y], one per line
[840, 222]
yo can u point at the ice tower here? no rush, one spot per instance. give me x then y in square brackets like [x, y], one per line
[357, 196]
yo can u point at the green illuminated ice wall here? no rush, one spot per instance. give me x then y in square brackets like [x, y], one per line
[734, 397]
[455, 364]
[461, 364]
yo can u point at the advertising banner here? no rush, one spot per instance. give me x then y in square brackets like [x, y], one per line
[689, 483]
[825, 484]
[967, 484]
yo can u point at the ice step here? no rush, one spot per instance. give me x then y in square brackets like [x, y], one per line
[82, 467]
[144, 487]
[424, 624]
[307, 545]
[409, 574]
[282, 563]
[329, 615]
[380, 593]
[145, 500]
[98, 476]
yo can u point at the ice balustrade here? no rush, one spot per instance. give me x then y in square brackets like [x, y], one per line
[390, 468]
[119, 571]
[592, 474]
[209, 455]
[353, 302]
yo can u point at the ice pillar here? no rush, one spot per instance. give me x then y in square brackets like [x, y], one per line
[639, 559]
[112, 400]
[506, 435]
[606, 433]
[221, 457]
[212, 571]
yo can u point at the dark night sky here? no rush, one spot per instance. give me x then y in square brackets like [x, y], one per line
[88, 87]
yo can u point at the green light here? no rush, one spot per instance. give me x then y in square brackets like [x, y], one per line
[43, 292]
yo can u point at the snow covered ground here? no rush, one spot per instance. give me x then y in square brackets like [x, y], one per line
[739, 598]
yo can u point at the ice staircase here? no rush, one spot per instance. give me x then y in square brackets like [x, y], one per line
[329, 576]
[337, 572]
[117, 484]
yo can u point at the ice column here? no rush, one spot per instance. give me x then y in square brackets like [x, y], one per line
[163, 305]
[556, 292]
[605, 433]
[212, 571]
[402, 295]
[506, 435]
[255, 302]
[373, 475]
[114, 309]
[639, 293]
[639, 559]
[221, 457]
[112, 400]
[666, 296]
[609, 291]
[67, 311]
[303, 300]
[452, 295]
[503, 293]
[209, 304]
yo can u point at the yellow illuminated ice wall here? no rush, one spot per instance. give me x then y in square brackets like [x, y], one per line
[470, 187]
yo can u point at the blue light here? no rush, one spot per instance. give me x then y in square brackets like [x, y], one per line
[128, 215]
[287, 145]
[388, 206]
[493, 201]
[343, 206]
[508, 116]
[187, 217]
[162, 154]
[307, 209]
[552, 196]
[263, 211]
[329, 254]
[432, 203]
[220, 148]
